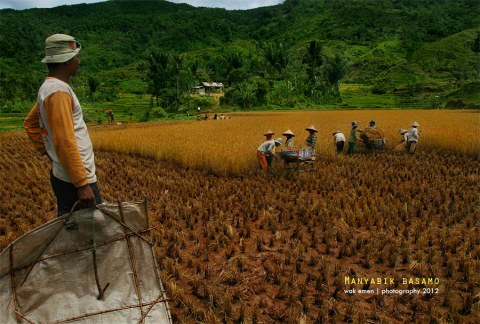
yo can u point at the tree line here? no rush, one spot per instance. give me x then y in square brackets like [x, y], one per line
[269, 76]
[292, 53]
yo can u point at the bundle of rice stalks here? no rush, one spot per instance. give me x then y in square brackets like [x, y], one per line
[399, 148]
[373, 134]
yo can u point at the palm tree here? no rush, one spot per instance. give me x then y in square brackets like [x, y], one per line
[313, 59]
[336, 70]
[178, 61]
[157, 72]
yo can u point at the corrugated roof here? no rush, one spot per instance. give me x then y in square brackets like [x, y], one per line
[213, 84]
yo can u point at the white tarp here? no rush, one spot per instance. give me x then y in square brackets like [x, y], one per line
[56, 272]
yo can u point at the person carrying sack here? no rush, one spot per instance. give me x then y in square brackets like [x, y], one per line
[56, 127]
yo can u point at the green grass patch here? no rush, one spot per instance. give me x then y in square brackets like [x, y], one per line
[134, 86]
[11, 123]
[127, 107]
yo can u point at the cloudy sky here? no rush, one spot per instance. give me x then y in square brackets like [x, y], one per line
[227, 4]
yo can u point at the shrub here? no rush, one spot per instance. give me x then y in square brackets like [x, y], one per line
[158, 112]
[89, 116]
[15, 106]
[108, 94]
[203, 101]
[134, 86]
[379, 89]
[455, 104]
[145, 117]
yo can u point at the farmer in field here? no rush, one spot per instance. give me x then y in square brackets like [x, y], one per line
[373, 137]
[402, 145]
[353, 138]
[290, 140]
[110, 116]
[312, 137]
[412, 138]
[56, 127]
[404, 134]
[338, 141]
[266, 151]
[371, 125]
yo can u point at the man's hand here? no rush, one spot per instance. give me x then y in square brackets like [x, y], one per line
[86, 196]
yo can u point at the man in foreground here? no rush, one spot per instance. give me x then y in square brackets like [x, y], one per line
[56, 127]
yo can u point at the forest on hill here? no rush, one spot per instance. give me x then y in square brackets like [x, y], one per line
[298, 53]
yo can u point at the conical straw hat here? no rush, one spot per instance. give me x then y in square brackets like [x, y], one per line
[288, 132]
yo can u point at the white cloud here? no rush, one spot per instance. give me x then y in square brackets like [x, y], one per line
[227, 4]
[26, 4]
[230, 4]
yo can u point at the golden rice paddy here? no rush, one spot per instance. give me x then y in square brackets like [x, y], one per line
[237, 247]
[228, 146]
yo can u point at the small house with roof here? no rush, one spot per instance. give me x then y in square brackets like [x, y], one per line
[208, 88]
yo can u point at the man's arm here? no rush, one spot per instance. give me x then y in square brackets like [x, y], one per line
[32, 127]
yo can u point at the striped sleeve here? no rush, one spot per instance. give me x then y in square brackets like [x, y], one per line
[59, 111]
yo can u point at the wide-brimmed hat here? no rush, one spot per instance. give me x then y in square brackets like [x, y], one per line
[60, 48]
[311, 128]
[415, 124]
[288, 133]
[355, 123]
[403, 131]
[336, 132]
[278, 141]
[268, 132]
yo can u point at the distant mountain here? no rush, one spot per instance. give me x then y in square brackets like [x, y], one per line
[384, 43]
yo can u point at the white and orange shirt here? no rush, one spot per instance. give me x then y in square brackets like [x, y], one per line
[56, 127]
[267, 147]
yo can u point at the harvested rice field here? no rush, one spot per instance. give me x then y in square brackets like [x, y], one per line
[382, 237]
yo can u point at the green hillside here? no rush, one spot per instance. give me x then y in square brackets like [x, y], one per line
[401, 53]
